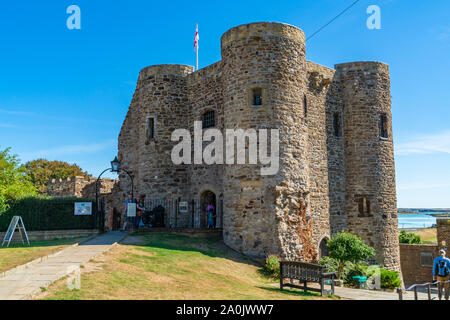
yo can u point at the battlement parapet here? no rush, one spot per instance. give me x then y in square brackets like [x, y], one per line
[165, 69]
[78, 187]
[213, 70]
[262, 29]
[374, 66]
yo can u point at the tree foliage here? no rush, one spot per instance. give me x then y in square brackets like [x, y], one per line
[346, 247]
[41, 171]
[409, 238]
[14, 182]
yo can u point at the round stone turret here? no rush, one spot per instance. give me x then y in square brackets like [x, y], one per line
[264, 82]
[370, 170]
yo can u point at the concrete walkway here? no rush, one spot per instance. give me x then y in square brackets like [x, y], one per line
[23, 284]
[361, 294]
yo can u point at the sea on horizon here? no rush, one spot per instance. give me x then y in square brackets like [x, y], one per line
[416, 220]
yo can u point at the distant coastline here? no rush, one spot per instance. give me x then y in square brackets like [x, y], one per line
[438, 212]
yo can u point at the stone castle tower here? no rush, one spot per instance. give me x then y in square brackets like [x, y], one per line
[336, 149]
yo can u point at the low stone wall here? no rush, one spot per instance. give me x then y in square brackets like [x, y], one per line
[51, 235]
[413, 269]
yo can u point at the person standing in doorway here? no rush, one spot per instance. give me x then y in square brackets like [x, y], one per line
[441, 271]
[126, 218]
[210, 212]
[140, 210]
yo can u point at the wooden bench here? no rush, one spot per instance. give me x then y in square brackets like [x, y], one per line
[304, 273]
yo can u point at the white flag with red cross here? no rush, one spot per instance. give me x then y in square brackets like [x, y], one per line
[196, 47]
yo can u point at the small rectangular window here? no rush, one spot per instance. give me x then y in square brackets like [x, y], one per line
[426, 259]
[209, 119]
[257, 97]
[337, 124]
[384, 126]
[151, 128]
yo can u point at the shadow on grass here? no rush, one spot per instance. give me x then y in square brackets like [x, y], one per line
[48, 243]
[211, 246]
[292, 292]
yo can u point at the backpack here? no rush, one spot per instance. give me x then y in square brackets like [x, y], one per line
[443, 268]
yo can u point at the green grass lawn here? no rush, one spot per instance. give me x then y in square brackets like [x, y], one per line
[17, 255]
[168, 266]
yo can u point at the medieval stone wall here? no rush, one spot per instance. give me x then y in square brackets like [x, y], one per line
[78, 187]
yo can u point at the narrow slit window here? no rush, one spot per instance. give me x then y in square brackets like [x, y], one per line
[257, 97]
[209, 119]
[337, 125]
[364, 207]
[305, 105]
[384, 126]
[151, 128]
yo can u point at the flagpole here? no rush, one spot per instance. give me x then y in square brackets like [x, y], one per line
[196, 51]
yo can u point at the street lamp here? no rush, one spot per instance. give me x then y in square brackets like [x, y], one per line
[115, 167]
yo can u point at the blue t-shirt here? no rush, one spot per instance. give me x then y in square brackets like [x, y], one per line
[441, 267]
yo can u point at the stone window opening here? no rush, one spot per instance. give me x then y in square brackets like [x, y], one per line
[384, 126]
[257, 98]
[337, 127]
[151, 128]
[208, 119]
[364, 206]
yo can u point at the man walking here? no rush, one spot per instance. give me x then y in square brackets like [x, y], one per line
[126, 218]
[441, 271]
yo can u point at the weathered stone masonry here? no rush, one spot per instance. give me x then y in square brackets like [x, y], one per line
[336, 169]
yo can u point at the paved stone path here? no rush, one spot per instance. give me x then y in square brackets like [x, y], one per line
[361, 294]
[23, 284]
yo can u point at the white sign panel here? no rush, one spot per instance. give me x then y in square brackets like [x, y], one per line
[183, 207]
[83, 208]
[131, 210]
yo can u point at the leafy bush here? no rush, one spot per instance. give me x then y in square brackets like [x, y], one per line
[346, 247]
[390, 279]
[14, 182]
[3, 204]
[272, 266]
[332, 265]
[409, 238]
[357, 271]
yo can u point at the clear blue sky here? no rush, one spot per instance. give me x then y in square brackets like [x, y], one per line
[64, 93]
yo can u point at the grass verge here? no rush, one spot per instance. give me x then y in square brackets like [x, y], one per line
[169, 267]
[17, 255]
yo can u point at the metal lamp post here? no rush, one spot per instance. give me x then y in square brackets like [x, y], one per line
[115, 167]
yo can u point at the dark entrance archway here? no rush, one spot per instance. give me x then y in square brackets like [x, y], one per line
[323, 250]
[207, 198]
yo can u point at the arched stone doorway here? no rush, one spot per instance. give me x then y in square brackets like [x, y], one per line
[323, 250]
[207, 198]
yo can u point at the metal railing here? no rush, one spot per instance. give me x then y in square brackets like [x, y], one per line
[427, 285]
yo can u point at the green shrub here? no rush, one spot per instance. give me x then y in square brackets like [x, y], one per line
[347, 247]
[390, 279]
[409, 238]
[272, 266]
[3, 204]
[357, 271]
[332, 265]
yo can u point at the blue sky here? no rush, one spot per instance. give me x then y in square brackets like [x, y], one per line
[64, 93]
